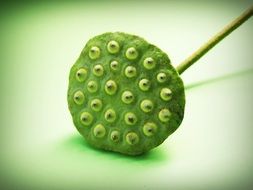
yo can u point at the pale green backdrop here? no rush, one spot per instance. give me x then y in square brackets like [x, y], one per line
[40, 148]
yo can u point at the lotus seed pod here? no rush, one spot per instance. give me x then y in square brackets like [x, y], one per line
[133, 98]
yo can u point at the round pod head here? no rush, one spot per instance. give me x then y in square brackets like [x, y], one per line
[124, 95]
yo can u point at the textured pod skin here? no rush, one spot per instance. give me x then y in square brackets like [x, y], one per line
[125, 134]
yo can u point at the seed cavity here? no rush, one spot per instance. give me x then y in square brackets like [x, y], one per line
[110, 115]
[94, 52]
[149, 63]
[110, 87]
[131, 53]
[81, 75]
[144, 84]
[86, 118]
[96, 105]
[132, 138]
[92, 86]
[147, 106]
[161, 77]
[127, 97]
[166, 94]
[113, 47]
[98, 70]
[164, 115]
[114, 65]
[130, 118]
[99, 131]
[130, 71]
[115, 136]
[78, 97]
[149, 129]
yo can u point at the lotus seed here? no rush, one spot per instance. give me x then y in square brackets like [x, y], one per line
[94, 52]
[113, 47]
[130, 118]
[98, 70]
[114, 65]
[115, 136]
[127, 97]
[79, 97]
[99, 131]
[96, 105]
[147, 106]
[132, 138]
[110, 87]
[149, 129]
[149, 63]
[165, 94]
[161, 77]
[144, 84]
[81, 75]
[92, 86]
[86, 118]
[164, 115]
[130, 71]
[110, 115]
[131, 53]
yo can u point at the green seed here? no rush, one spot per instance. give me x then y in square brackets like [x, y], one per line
[131, 53]
[147, 106]
[127, 97]
[96, 104]
[99, 131]
[164, 115]
[130, 118]
[78, 97]
[114, 65]
[110, 115]
[86, 118]
[144, 84]
[132, 138]
[130, 71]
[161, 77]
[165, 94]
[149, 63]
[115, 136]
[113, 47]
[110, 87]
[149, 129]
[94, 52]
[98, 70]
[81, 75]
[92, 86]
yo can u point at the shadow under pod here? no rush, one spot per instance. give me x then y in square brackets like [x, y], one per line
[81, 148]
[217, 79]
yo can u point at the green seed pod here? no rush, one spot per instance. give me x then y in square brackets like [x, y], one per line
[131, 53]
[127, 97]
[98, 70]
[94, 52]
[113, 47]
[96, 105]
[78, 97]
[99, 131]
[86, 118]
[147, 106]
[92, 86]
[149, 129]
[149, 63]
[110, 115]
[81, 75]
[133, 96]
[132, 138]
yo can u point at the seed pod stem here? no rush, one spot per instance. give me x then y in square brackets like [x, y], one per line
[214, 40]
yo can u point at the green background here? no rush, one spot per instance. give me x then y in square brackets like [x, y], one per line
[40, 148]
